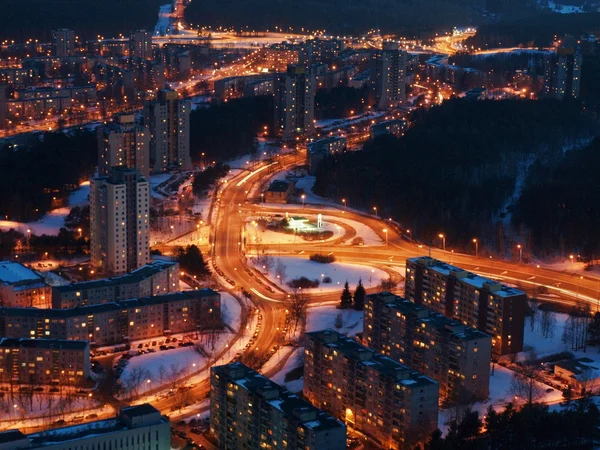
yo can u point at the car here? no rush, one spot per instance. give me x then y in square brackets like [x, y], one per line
[181, 423]
[91, 416]
[141, 346]
[59, 423]
[153, 343]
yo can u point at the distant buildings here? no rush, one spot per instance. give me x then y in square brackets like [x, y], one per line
[248, 411]
[118, 322]
[388, 76]
[321, 50]
[135, 427]
[562, 70]
[140, 45]
[387, 401]
[123, 142]
[63, 42]
[120, 216]
[21, 287]
[318, 150]
[487, 305]
[581, 374]
[169, 121]
[155, 278]
[279, 191]
[395, 127]
[295, 103]
[44, 361]
[2, 106]
[456, 356]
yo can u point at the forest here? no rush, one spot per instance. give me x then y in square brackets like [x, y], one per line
[42, 175]
[455, 170]
[35, 19]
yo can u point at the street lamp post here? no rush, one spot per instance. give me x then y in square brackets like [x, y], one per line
[345, 205]
[520, 247]
[443, 238]
[476, 247]
[375, 209]
[409, 235]
[385, 230]
[303, 197]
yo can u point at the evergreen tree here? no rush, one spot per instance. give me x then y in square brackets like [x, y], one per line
[346, 297]
[359, 296]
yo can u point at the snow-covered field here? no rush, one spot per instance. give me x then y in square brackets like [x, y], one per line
[268, 237]
[52, 222]
[231, 310]
[295, 360]
[338, 272]
[363, 231]
[322, 317]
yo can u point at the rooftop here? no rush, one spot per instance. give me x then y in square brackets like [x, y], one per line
[139, 410]
[14, 273]
[63, 344]
[291, 405]
[279, 186]
[134, 277]
[478, 282]
[364, 355]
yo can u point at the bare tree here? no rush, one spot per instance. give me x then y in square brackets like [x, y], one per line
[280, 270]
[533, 304]
[523, 383]
[134, 380]
[174, 373]
[547, 324]
[162, 374]
[296, 304]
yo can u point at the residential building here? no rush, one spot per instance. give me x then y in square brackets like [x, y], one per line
[169, 121]
[581, 374]
[248, 411]
[3, 122]
[388, 76]
[119, 212]
[138, 427]
[395, 127]
[318, 150]
[280, 191]
[21, 287]
[63, 42]
[117, 322]
[44, 361]
[562, 70]
[294, 113]
[321, 50]
[456, 356]
[123, 142]
[156, 278]
[478, 302]
[389, 402]
[140, 45]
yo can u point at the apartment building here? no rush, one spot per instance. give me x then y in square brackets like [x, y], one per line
[44, 361]
[123, 142]
[294, 112]
[63, 42]
[21, 287]
[478, 302]
[395, 127]
[388, 76]
[562, 70]
[120, 221]
[118, 322]
[456, 356]
[389, 402]
[318, 150]
[156, 278]
[140, 45]
[248, 411]
[169, 121]
[138, 427]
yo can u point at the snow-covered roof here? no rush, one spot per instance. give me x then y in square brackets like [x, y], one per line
[15, 273]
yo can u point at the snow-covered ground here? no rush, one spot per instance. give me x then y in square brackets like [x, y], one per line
[323, 317]
[565, 9]
[255, 235]
[231, 310]
[306, 183]
[164, 20]
[52, 222]
[366, 233]
[295, 360]
[338, 272]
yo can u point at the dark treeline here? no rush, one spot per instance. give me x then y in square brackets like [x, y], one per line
[203, 180]
[455, 169]
[21, 20]
[501, 62]
[226, 130]
[340, 102]
[32, 176]
[537, 30]
[351, 16]
[534, 426]
[561, 205]
[67, 242]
